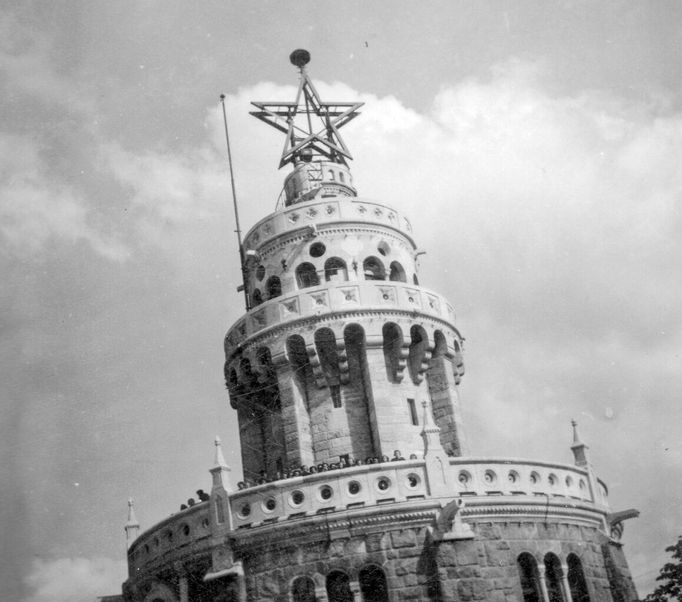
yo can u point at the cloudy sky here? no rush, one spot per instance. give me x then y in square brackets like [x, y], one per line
[536, 146]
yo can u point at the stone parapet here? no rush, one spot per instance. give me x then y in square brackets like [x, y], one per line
[339, 298]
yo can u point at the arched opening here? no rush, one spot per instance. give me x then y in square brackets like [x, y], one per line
[256, 297]
[576, 580]
[417, 355]
[397, 273]
[273, 287]
[415, 280]
[303, 590]
[440, 348]
[553, 575]
[306, 275]
[338, 587]
[373, 269]
[335, 270]
[393, 342]
[325, 343]
[373, 584]
[219, 510]
[530, 578]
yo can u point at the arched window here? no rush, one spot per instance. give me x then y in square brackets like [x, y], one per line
[373, 584]
[335, 269]
[373, 269]
[306, 275]
[397, 273]
[273, 287]
[338, 587]
[256, 297]
[331, 175]
[576, 580]
[415, 279]
[303, 590]
[440, 345]
[553, 575]
[530, 578]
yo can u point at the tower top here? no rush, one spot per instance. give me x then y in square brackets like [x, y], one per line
[304, 142]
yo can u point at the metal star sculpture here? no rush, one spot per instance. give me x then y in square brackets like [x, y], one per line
[325, 142]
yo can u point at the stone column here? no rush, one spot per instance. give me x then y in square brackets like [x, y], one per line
[543, 584]
[321, 594]
[183, 586]
[566, 588]
[355, 589]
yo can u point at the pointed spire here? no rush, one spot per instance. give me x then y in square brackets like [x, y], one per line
[578, 448]
[219, 461]
[132, 526]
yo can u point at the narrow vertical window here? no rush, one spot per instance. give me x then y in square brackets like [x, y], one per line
[336, 395]
[219, 510]
[576, 580]
[413, 411]
[530, 581]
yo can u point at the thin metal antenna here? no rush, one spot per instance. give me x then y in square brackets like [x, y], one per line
[242, 257]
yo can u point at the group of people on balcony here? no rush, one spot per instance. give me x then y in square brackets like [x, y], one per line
[304, 470]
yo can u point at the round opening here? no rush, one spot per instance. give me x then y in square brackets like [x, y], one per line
[354, 487]
[552, 480]
[383, 484]
[412, 480]
[490, 477]
[244, 510]
[581, 484]
[297, 498]
[260, 272]
[185, 530]
[464, 477]
[270, 504]
[513, 476]
[317, 249]
[326, 492]
[383, 248]
[534, 477]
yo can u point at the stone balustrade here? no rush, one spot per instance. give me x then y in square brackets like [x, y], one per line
[182, 534]
[319, 212]
[487, 476]
[351, 295]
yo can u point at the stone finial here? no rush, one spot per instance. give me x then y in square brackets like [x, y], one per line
[219, 461]
[132, 526]
[578, 448]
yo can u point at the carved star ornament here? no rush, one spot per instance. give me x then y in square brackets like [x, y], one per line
[295, 120]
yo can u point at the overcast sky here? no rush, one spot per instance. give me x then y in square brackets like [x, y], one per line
[535, 145]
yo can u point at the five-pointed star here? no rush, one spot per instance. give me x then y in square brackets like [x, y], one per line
[327, 141]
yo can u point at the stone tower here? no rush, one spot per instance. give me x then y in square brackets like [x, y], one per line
[357, 482]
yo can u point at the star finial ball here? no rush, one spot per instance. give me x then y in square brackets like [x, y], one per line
[300, 58]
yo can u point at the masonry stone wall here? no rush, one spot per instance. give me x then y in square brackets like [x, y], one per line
[417, 568]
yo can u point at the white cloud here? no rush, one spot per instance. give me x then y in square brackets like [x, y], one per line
[74, 579]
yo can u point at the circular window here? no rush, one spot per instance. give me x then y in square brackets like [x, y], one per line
[354, 488]
[569, 482]
[317, 249]
[581, 484]
[270, 504]
[513, 476]
[490, 477]
[297, 498]
[413, 480]
[464, 477]
[185, 530]
[383, 484]
[326, 492]
[383, 248]
[551, 479]
[244, 510]
[260, 272]
[534, 477]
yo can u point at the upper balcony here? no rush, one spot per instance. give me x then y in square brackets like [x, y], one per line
[315, 213]
[338, 297]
